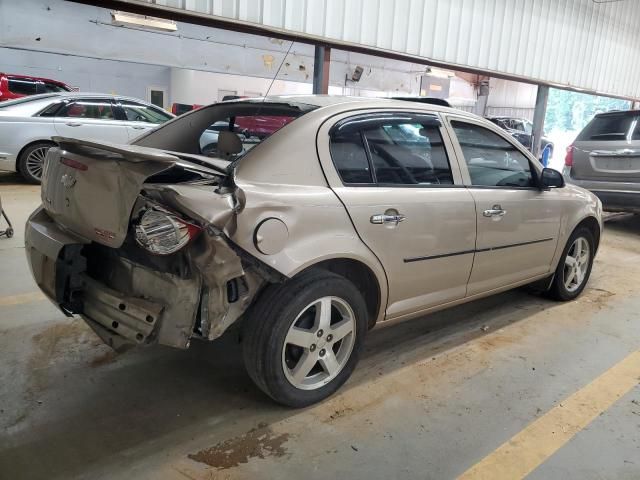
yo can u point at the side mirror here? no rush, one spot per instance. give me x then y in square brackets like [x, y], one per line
[550, 178]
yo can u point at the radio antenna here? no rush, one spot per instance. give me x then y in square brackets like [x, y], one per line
[277, 71]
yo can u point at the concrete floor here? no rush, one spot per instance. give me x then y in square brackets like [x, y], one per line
[430, 398]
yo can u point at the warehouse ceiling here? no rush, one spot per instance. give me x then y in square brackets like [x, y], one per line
[584, 45]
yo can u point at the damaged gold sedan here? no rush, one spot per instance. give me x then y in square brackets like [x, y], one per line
[303, 221]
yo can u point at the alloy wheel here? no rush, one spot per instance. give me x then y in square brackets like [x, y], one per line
[35, 161]
[319, 343]
[576, 264]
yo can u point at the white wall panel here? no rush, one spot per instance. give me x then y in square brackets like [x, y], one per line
[576, 43]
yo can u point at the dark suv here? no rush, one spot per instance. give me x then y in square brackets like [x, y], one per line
[17, 86]
[605, 158]
[520, 129]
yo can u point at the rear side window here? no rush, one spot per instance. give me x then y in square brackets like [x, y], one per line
[609, 127]
[22, 86]
[408, 154]
[96, 109]
[350, 157]
[391, 151]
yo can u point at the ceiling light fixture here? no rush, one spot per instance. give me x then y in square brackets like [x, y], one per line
[142, 21]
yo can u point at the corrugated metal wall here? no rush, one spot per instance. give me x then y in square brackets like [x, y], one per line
[579, 43]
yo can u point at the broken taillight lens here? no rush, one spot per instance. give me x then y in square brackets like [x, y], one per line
[162, 233]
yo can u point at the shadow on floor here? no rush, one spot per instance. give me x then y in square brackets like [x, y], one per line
[159, 397]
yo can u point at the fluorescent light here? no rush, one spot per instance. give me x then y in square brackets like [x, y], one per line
[154, 23]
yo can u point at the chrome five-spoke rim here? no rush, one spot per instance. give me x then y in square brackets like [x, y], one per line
[576, 264]
[319, 343]
[35, 161]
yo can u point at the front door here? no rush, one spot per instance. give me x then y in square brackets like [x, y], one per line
[405, 197]
[517, 222]
[139, 118]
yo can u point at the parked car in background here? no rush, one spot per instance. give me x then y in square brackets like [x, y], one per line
[18, 86]
[354, 212]
[27, 125]
[260, 126]
[605, 158]
[182, 108]
[521, 129]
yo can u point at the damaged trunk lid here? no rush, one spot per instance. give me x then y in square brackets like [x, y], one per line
[90, 188]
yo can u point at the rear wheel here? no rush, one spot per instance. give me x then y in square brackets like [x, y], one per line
[574, 268]
[31, 161]
[302, 339]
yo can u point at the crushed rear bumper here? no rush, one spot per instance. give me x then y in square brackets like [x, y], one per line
[147, 307]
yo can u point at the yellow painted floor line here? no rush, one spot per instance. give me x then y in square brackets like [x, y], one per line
[21, 298]
[525, 451]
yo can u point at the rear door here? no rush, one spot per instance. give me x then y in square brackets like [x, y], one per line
[403, 191]
[91, 119]
[517, 223]
[608, 149]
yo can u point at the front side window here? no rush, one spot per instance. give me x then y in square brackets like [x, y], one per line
[491, 160]
[138, 112]
[49, 87]
[95, 109]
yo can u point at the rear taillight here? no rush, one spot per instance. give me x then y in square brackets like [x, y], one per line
[74, 164]
[162, 233]
[568, 159]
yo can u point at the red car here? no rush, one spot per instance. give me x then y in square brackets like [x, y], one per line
[259, 126]
[16, 86]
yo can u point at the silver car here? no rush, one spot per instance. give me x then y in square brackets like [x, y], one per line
[354, 212]
[605, 158]
[27, 125]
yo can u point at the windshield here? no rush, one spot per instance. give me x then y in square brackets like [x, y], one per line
[226, 130]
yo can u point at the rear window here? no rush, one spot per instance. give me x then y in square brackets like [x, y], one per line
[224, 130]
[609, 127]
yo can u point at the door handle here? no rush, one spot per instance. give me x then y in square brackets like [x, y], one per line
[137, 127]
[384, 219]
[74, 124]
[496, 211]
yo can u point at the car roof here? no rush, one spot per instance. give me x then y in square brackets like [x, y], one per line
[505, 117]
[350, 101]
[71, 95]
[31, 77]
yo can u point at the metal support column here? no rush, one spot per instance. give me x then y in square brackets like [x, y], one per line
[538, 119]
[321, 61]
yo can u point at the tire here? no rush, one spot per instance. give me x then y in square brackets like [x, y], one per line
[271, 360]
[561, 289]
[30, 158]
